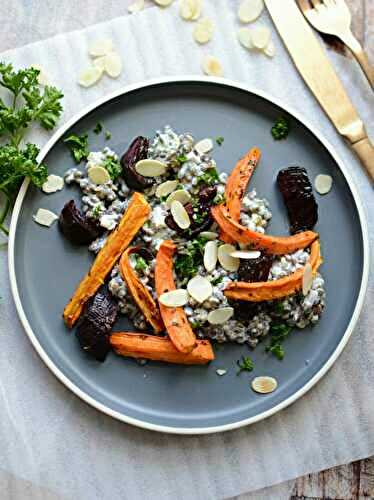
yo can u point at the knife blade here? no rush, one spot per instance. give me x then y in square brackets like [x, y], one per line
[321, 78]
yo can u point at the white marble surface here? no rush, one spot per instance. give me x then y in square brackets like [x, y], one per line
[29, 21]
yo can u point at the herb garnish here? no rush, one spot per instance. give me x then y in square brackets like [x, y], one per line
[245, 365]
[219, 140]
[280, 129]
[96, 211]
[278, 331]
[215, 281]
[28, 105]
[113, 167]
[78, 145]
[209, 177]
[107, 135]
[181, 159]
[141, 264]
[219, 199]
[98, 128]
[187, 263]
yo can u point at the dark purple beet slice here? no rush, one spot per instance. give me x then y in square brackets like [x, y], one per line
[97, 320]
[138, 150]
[76, 226]
[297, 192]
[245, 311]
[254, 270]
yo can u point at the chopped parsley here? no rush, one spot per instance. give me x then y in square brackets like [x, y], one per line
[280, 129]
[78, 145]
[96, 212]
[209, 177]
[181, 159]
[141, 264]
[245, 365]
[278, 332]
[113, 167]
[216, 281]
[219, 140]
[98, 128]
[279, 308]
[187, 263]
[107, 135]
[219, 199]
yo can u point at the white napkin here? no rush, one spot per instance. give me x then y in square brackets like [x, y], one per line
[50, 437]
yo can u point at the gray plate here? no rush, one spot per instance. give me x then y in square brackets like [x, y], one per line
[45, 268]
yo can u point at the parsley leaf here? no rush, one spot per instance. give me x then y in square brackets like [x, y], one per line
[280, 129]
[78, 145]
[219, 140]
[209, 177]
[28, 104]
[141, 264]
[245, 365]
[113, 167]
[107, 135]
[187, 263]
[278, 331]
[98, 128]
[181, 159]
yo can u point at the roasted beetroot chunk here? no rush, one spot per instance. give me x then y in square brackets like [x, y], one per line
[137, 151]
[297, 192]
[76, 226]
[254, 270]
[245, 311]
[97, 320]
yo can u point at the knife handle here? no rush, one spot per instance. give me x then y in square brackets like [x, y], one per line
[365, 152]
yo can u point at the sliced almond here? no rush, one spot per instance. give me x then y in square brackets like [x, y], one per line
[269, 50]
[175, 298]
[179, 195]
[246, 254]
[166, 188]
[98, 175]
[163, 3]
[260, 36]
[190, 10]
[250, 10]
[180, 215]
[323, 183]
[221, 371]
[224, 257]
[150, 168]
[307, 278]
[264, 385]
[53, 183]
[204, 146]
[99, 62]
[220, 316]
[199, 288]
[245, 38]
[203, 31]
[136, 6]
[90, 76]
[113, 65]
[211, 66]
[210, 256]
[45, 217]
[209, 235]
[100, 47]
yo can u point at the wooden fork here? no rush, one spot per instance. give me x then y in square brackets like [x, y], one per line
[334, 18]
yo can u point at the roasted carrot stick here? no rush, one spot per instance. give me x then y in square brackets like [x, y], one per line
[277, 245]
[138, 345]
[175, 319]
[271, 290]
[136, 214]
[237, 184]
[139, 292]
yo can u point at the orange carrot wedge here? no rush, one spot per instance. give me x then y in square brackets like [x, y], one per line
[136, 214]
[138, 345]
[140, 293]
[276, 245]
[175, 319]
[237, 184]
[271, 290]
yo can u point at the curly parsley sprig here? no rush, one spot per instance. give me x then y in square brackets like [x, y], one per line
[22, 104]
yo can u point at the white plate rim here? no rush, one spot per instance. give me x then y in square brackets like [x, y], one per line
[188, 430]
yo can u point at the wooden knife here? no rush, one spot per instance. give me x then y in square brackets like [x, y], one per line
[321, 78]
